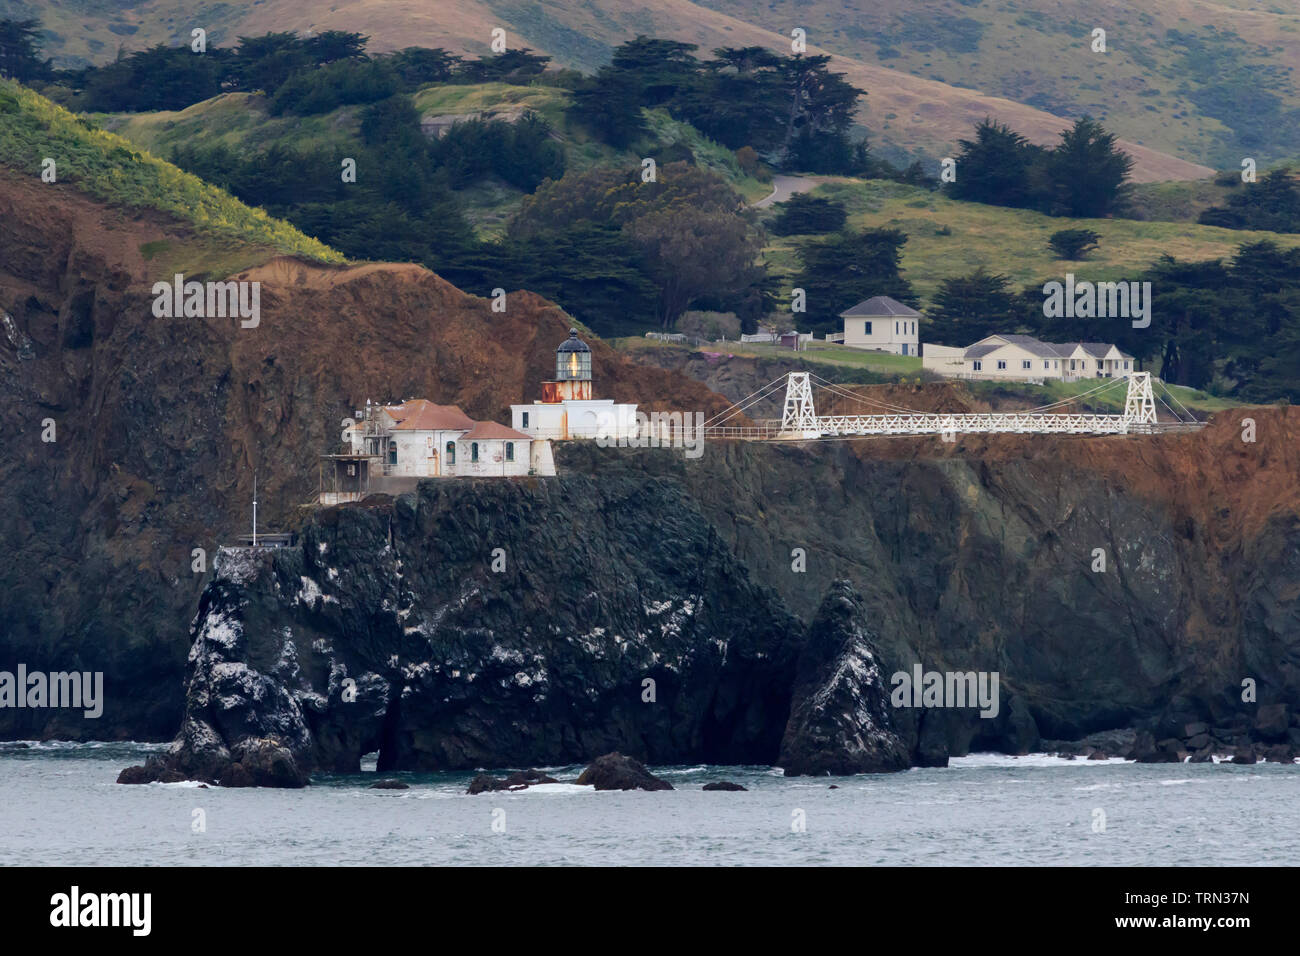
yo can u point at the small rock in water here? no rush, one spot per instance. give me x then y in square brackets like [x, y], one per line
[519, 780]
[834, 786]
[723, 785]
[389, 785]
[616, 772]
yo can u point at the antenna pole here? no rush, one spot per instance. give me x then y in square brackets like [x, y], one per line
[255, 509]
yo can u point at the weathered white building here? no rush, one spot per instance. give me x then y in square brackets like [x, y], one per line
[387, 449]
[566, 408]
[883, 325]
[1023, 358]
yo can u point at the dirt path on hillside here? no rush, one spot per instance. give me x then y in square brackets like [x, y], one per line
[783, 187]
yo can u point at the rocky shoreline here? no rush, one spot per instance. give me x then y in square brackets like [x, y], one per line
[387, 630]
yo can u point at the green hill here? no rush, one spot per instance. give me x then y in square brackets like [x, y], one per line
[949, 238]
[114, 169]
[241, 119]
[1184, 85]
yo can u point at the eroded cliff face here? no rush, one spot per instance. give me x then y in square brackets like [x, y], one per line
[641, 564]
[980, 556]
[488, 624]
[159, 425]
[972, 556]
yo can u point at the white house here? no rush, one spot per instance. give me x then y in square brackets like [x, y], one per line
[884, 325]
[1023, 358]
[566, 408]
[389, 448]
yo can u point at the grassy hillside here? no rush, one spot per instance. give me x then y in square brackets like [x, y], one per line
[948, 238]
[908, 112]
[241, 119]
[113, 169]
[1212, 81]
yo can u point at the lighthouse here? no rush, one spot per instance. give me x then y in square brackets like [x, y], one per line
[567, 409]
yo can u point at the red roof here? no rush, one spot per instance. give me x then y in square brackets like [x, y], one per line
[420, 414]
[492, 430]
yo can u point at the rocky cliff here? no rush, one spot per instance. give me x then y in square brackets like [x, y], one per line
[1111, 583]
[536, 621]
[132, 441]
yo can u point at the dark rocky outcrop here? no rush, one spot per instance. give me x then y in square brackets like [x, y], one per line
[348, 643]
[519, 780]
[616, 772]
[636, 564]
[727, 785]
[251, 762]
[390, 785]
[841, 721]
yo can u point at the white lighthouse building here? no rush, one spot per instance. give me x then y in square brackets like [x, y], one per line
[566, 408]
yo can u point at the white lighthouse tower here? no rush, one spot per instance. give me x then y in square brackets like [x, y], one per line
[567, 409]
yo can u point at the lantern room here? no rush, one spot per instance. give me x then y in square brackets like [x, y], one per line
[572, 371]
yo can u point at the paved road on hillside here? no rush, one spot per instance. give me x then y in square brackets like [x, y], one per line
[786, 186]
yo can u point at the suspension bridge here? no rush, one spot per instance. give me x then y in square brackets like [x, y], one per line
[799, 420]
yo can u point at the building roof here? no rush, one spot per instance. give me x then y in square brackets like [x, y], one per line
[420, 414]
[1036, 346]
[487, 431]
[1042, 349]
[880, 305]
[573, 343]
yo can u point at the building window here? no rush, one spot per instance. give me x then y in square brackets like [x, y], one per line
[451, 453]
[510, 451]
[1100, 365]
[352, 470]
[1071, 365]
[1126, 365]
[895, 328]
[473, 451]
[978, 365]
[1047, 366]
[392, 452]
[525, 420]
[866, 328]
[1025, 363]
[1002, 363]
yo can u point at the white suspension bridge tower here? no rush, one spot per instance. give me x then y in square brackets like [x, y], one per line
[799, 420]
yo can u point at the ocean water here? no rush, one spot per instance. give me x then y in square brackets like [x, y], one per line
[59, 805]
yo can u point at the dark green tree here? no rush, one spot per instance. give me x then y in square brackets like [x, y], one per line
[970, 307]
[1089, 174]
[1073, 244]
[664, 69]
[19, 51]
[995, 167]
[609, 104]
[845, 268]
[1273, 204]
[805, 215]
